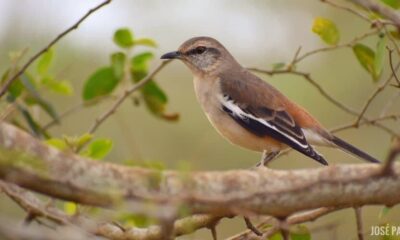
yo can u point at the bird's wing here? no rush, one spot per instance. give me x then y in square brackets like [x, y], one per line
[254, 105]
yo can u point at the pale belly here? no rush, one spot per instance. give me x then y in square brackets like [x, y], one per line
[226, 126]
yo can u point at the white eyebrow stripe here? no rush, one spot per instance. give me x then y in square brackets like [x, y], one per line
[236, 110]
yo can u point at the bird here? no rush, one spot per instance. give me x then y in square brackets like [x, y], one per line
[250, 112]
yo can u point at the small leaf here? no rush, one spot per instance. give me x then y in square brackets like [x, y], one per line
[379, 56]
[366, 57]
[276, 236]
[35, 97]
[118, 63]
[45, 61]
[278, 66]
[140, 65]
[70, 208]
[62, 87]
[146, 42]
[100, 83]
[327, 30]
[82, 140]
[154, 97]
[300, 232]
[33, 125]
[98, 149]
[57, 143]
[392, 3]
[16, 88]
[123, 38]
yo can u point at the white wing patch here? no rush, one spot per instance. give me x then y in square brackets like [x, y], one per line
[237, 111]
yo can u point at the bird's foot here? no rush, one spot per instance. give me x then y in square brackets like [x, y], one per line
[266, 158]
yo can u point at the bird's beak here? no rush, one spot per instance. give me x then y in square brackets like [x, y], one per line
[171, 55]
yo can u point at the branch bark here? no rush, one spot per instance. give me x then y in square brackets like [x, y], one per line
[380, 9]
[29, 163]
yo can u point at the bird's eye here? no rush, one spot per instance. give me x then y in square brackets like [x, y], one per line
[200, 50]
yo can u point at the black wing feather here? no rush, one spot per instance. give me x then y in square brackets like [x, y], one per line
[284, 128]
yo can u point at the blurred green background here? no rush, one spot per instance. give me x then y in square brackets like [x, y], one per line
[258, 33]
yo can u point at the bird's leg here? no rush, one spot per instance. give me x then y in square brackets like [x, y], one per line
[266, 158]
[251, 227]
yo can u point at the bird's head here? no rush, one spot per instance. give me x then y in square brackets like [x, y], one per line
[201, 54]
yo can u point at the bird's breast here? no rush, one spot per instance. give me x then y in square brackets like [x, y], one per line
[207, 93]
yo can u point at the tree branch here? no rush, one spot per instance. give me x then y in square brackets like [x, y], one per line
[8, 83]
[380, 9]
[29, 163]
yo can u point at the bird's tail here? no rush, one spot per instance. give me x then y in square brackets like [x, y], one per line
[347, 147]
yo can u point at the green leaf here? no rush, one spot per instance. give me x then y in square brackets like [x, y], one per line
[44, 62]
[16, 88]
[124, 38]
[379, 56]
[62, 87]
[33, 125]
[154, 97]
[276, 236]
[148, 42]
[57, 143]
[366, 57]
[100, 83]
[392, 3]
[300, 232]
[140, 65]
[327, 30]
[35, 98]
[82, 140]
[98, 149]
[118, 64]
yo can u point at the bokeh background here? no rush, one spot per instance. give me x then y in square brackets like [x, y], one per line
[258, 33]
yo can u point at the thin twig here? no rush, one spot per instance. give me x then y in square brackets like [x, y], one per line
[366, 122]
[126, 94]
[374, 95]
[292, 220]
[325, 94]
[389, 103]
[251, 227]
[73, 109]
[391, 65]
[348, 9]
[380, 9]
[394, 152]
[344, 45]
[360, 232]
[8, 83]
[307, 76]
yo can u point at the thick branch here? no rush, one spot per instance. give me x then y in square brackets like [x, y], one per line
[33, 165]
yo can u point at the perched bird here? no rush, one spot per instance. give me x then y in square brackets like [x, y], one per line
[248, 111]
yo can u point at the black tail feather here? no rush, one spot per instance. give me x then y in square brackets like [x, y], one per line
[353, 150]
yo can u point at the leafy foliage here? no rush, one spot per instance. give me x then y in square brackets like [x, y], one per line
[98, 149]
[327, 30]
[100, 83]
[123, 66]
[369, 59]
